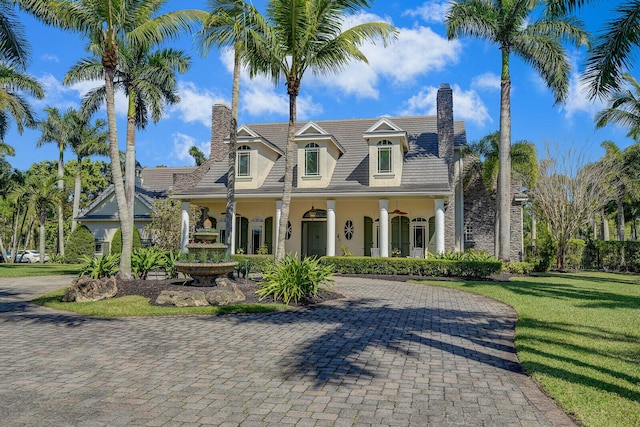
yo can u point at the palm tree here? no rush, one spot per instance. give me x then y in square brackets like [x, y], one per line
[229, 25]
[481, 158]
[624, 109]
[198, 155]
[110, 25]
[148, 80]
[539, 43]
[88, 140]
[56, 129]
[41, 195]
[12, 103]
[299, 35]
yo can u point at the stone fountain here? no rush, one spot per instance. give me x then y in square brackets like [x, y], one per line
[204, 264]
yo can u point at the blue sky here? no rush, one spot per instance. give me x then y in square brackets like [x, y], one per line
[400, 80]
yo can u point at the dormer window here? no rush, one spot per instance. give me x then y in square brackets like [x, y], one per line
[243, 158]
[311, 159]
[385, 157]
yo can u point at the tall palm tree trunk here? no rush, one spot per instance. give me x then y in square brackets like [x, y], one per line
[77, 192]
[116, 172]
[293, 89]
[233, 139]
[43, 218]
[60, 208]
[130, 167]
[504, 172]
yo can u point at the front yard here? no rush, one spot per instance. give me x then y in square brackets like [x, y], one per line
[578, 335]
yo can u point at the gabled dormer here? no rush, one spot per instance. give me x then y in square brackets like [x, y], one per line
[255, 157]
[318, 153]
[387, 147]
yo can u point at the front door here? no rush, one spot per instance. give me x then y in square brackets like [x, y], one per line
[314, 238]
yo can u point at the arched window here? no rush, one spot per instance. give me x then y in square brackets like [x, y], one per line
[289, 231]
[312, 159]
[385, 164]
[243, 158]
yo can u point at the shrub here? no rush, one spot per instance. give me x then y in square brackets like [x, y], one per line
[99, 267]
[169, 264]
[81, 242]
[251, 263]
[413, 266]
[575, 248]
[292, 279]
[546, 254]
[116, 242]
[518, 267]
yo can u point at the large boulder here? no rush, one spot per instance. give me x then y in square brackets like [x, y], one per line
[182, 298]
[225, 293]
[87, 289]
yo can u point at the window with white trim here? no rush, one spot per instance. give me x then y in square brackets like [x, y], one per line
[312, 159]
[468, 233]
[384, 156]
[243, 158]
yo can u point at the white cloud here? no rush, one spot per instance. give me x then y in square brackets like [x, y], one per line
[431, 11]
[259, 96]
[578, 99]
[467, 105]
[182, 144]
[417, 52]
[51, 58]
[488, 81]
[195, 103]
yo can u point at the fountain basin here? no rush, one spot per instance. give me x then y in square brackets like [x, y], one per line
[205, 273]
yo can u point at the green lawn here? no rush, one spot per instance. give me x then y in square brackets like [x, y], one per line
[578, 335]
[25, 270]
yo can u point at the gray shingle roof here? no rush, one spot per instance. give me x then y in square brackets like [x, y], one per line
[161, 179]
[423, 170]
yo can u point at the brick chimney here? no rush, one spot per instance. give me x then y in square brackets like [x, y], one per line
[445, 123]
[220, 130]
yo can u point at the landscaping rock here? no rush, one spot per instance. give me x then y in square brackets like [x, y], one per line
[85, 289]
[225, 293]
[182, 298]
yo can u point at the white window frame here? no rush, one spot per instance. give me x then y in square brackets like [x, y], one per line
[245, 152]
[311, 147]
[385, 146]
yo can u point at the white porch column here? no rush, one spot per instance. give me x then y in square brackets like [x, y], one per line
[277, 221]
[384, 228]
[184, 227]
[459, 205]
[439, 226]
[331, 227]
[233, 228]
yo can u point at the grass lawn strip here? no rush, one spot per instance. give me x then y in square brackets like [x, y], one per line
[29, 270]
[578, 335]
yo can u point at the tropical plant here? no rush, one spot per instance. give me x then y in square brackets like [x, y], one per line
[110, 27]
[198, 156]
[623, 109]
[40, 195]
[100, 266]
[539, 42]
[293, 279]
[297, 36]
[144, 260]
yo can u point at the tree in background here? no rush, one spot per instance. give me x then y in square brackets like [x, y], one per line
[539, 43]
[302, 35]
[569, 192]
[164, 228]
[623, 109]
[198, 156]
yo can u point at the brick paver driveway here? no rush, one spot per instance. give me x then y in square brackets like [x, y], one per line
[389, 354]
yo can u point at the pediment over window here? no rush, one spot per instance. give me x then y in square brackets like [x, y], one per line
[247, 136]
[386, 129]
[313, 132]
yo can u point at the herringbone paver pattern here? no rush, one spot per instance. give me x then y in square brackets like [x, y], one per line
[393, 354]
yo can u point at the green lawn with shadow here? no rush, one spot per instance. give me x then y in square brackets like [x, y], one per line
[578, 335]
[28, 270]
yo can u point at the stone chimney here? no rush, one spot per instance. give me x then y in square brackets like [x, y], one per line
[445, 123]
[220, 130]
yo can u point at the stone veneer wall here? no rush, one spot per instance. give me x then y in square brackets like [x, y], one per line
[444, 109]
[480, 211]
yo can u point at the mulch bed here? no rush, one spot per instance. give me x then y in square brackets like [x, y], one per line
[151, 289]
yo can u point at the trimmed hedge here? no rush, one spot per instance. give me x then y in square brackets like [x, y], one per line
[251, 263]
[413, 266]
[116, 242]
[81, 242]
[619, 256]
